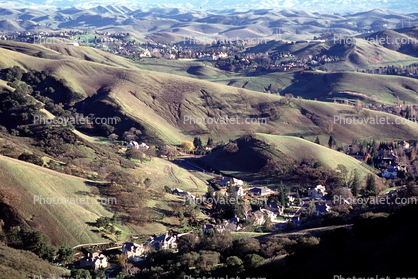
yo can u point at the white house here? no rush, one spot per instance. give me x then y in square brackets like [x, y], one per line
[146, 53]
[163, 242]
[270, 214]
[134, 144]
[134, 251]
[169, 56]
[317, 192]
[94, 261]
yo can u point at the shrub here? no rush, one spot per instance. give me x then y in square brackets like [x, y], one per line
[31, 158]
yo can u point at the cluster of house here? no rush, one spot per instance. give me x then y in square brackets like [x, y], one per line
[386, 159]
[134, 144]
[157, 52]
[212, 56]
[133, 251]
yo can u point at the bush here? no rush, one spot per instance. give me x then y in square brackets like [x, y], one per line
[31, 158]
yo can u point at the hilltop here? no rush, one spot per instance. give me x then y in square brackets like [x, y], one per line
[288, 153]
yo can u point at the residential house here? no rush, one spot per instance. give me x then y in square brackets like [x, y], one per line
[269, 214]
[276, 208]
[163, 242]
[261, 191]
[256, 217]
[145, 54]
[134, 251]
[322, 209]
[230, 225]
[169, 56]
[317, 192]
[391, 172]
[94, 261]
[134, 144]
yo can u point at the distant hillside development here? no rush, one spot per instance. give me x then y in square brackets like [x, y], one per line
[170, 25]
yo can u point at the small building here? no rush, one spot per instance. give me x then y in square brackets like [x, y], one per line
[145, 54]
[317, 192]
[94, 261]
[276, 208]
[134, 251]
[261, 191]
[163, 242]
[390, 172]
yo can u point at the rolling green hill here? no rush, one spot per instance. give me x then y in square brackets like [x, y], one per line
[161, 103]
[300, 149]
[286, 150]
[24, 182]
[24, 264]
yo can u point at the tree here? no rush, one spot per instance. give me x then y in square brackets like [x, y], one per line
[297, 198]
[283, 195]
[210, 192]
[371, 185]
[234, 263]
[31, 158]
[355, 184]
[65, 254]
[210, 141]
[147, 182]
[312, 208]
[331, 141]
[317, 140]
[102, 222]
[343, 172]
[197, 142]
[231, 147]
[113, 137]
[187, 145]
[253, 260]
[115, 218]
[268, 224]
[107, 129]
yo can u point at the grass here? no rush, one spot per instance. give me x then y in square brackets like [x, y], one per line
[164, 173]
[61, 222]
[24, 264]
[299, 149]
[159, 101]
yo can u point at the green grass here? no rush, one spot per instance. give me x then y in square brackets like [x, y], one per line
[61, 222]
[24, 264]
[300, 149]
[165, 173]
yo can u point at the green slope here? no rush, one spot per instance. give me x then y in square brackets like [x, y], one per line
[61, 222]
[300, 149]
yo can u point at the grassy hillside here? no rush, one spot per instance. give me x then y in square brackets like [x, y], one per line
[160, 103]
[61, 222]
[288, 152]
[300, 149]
[24, 264]
[403, 40]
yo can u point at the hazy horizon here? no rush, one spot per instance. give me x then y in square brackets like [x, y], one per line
[329, 6]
